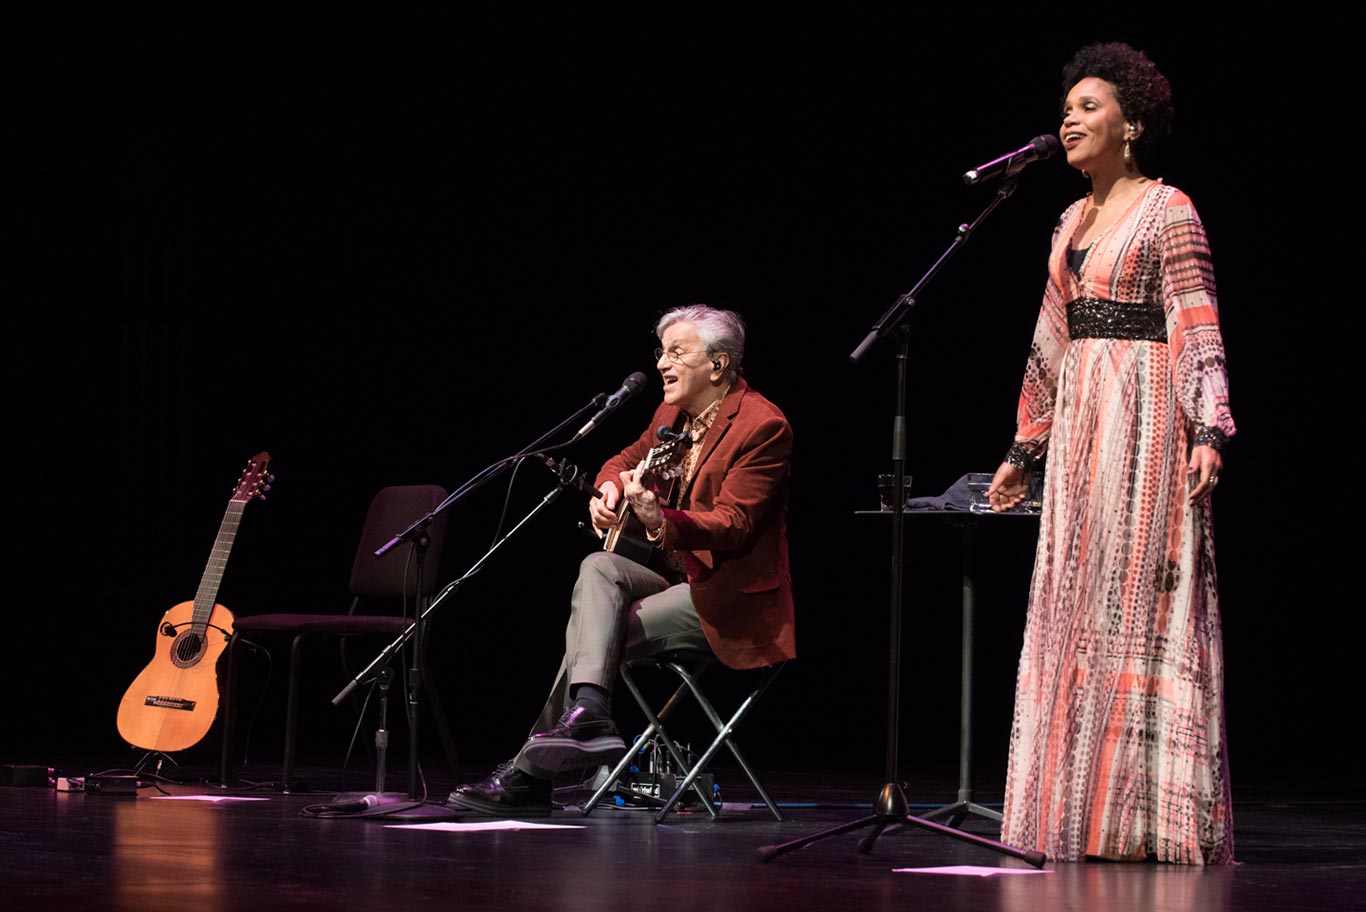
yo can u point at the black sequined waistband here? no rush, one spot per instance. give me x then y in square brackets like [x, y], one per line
[1093, 318]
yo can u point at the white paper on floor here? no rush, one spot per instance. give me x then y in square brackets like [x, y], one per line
[969, 871]
[204, 798]
[483, 825]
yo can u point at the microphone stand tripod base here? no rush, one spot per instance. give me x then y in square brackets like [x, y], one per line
[891, 809]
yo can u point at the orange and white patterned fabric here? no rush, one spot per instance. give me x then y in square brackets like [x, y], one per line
[1117, 746]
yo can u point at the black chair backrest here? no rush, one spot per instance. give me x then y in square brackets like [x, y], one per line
[394, 574]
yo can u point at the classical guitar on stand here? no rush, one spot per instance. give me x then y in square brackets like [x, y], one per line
[662, 467]
[172, 703]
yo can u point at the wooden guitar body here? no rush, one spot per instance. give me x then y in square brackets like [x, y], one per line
[627, 538]
[172, 704]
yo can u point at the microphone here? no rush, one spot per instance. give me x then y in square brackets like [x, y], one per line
[667, 433]
[1040, 147]
[629, 387]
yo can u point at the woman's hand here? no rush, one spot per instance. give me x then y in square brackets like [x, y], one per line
[1009, 486]
[1203, 471]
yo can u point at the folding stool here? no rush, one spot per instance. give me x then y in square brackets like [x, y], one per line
[688, 666]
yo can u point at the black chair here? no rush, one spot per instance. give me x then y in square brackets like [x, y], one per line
[688, 667]
[383, 590]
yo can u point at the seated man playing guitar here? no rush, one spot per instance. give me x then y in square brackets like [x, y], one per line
[711, 504]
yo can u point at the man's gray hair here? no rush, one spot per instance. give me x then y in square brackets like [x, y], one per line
[719, 330]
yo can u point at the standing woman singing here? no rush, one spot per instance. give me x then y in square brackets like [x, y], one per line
[1117, 747]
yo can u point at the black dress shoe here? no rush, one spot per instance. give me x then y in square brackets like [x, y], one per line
[580, 739]
[507, 792]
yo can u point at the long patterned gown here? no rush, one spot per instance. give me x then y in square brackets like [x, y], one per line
[1117, 744]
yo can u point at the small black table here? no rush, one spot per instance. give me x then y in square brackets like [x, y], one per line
[954, 508]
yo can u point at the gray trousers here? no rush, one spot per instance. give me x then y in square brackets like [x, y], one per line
[619, 610]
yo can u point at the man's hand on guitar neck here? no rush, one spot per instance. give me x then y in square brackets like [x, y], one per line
[644, 503]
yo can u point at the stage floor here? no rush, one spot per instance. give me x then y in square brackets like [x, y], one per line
[194, 844]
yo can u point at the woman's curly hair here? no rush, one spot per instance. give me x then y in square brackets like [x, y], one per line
[1144, 94]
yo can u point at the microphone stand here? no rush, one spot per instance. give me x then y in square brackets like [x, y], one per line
[380, 804]
[891, 805]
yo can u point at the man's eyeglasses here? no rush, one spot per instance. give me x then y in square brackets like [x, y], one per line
[676, 356]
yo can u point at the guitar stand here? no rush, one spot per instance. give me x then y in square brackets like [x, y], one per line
[890, 809]
[147, 757]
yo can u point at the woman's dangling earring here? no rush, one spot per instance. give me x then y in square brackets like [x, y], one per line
[1128, 153]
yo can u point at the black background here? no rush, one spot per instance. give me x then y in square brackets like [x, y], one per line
[399, 250]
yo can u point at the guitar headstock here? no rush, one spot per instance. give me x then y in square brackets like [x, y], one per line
[665, 461]
[255, 480]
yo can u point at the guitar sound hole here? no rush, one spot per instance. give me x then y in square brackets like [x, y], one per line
[187, 649]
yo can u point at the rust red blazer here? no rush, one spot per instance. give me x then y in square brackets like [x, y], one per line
[731, 525]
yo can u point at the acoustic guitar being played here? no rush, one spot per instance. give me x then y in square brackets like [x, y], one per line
[663, 464]
[172, 703]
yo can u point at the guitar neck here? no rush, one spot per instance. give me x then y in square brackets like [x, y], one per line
[207, 594]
